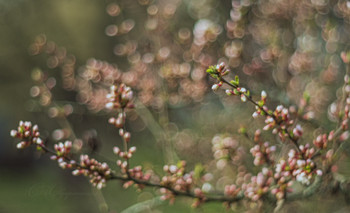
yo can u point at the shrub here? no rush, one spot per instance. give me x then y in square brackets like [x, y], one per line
[286, 143]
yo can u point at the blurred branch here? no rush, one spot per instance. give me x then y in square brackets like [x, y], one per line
[144, 206]
[157, 131]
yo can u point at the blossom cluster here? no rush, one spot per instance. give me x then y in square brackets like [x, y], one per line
[62, 154]
[120, 97]
[224, 149]
[299, 165]
[258, 185]
[176, 179]
[262, 153]
[28, 134]
[124, 164]
[138, 174]
[98, 172]
[232, 190]
[279, 121]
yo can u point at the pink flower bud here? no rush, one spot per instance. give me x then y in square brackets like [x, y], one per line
[116, 150]
[121, 132]
[39, 141]
[215, 87]
[75, 172]
[127, 136]
[132, 149]
[111, 120]
[173, 168]
[13, 133]
[109, 105]
[21, 145]
[344, 136]
[243, 98]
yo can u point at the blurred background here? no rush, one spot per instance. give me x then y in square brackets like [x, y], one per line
[33, 183]
[59, 57]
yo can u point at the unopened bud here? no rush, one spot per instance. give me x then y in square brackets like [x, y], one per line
[116, 150]
[132, 149]
[243, 98]
[13, 133]
[215, 87]
[109, 105]
[127, 136]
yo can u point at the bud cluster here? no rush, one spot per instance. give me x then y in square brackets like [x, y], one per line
[231, 190]
[279, 121]
[224, 148]
[345, 120]
[96, 171]
[258, 185]
[125, 155]
[262, 153]
[218, 71]
[242, 92]
[62, 153]
[120, 97]
[176, 179]
[322, 140]
[137, 173]
[119, 121]
[261, 108]
[299, 166]
[28, 134]
[200, 197]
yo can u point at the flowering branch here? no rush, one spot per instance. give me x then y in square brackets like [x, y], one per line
[274, 180]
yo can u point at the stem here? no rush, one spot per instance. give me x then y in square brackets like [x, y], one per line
[125, 143]
[219, 198]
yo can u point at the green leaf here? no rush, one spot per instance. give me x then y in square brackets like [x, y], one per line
[306, 97]
[237, 79]
[212, 70]
[247, 93]
[233, 82]
[242, 130]
[199, 171]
